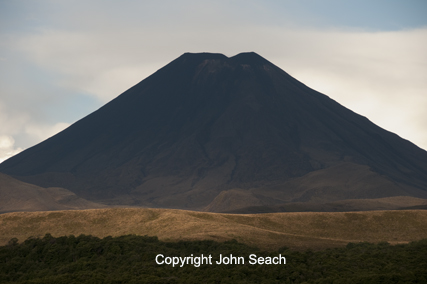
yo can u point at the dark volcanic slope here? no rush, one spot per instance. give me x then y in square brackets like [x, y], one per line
[206, 123]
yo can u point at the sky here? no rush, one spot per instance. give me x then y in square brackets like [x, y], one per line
[61, 60]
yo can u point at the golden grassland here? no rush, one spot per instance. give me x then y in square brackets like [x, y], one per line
[267, 231]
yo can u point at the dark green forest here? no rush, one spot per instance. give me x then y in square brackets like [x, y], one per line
[131, 259]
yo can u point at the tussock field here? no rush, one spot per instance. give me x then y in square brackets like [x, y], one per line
[267, 231]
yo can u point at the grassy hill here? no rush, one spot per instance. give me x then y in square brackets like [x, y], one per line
[16, 195]
[267, 231]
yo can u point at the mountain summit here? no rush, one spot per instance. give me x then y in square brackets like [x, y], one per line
[208, 130]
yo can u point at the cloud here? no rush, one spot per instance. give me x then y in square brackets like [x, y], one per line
[377, 74]
[26, 129]
[7, 147]
[32, 132]
[42, 132]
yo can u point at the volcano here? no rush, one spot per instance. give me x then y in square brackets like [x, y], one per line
[217, 133]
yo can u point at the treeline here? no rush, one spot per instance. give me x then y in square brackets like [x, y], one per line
[131, 259]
